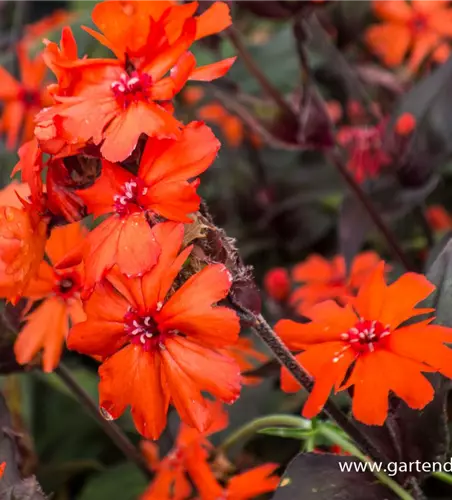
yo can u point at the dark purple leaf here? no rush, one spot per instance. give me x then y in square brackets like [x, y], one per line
[311, 476]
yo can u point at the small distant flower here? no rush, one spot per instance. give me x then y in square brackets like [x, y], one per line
[2, 469]
[363, 345]
[47, 326]
[21, 100]
[231, 125]
[405, 124]
[277, 284]
[416, 29]
[322, 279]
[438, 218]
[159, 347]
[366, 157]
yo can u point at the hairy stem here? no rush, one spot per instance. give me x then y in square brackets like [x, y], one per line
[110, 428]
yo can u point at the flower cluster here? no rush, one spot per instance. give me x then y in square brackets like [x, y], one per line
[105, 142]
[189, 460]
[317, 279]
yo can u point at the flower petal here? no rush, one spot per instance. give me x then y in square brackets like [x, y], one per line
[127, 242]
[179, 160]
[140, 117]
[63, 239]
[185, 393]
[190, 309]
[131, 377]
[389, 41]
[424, 343]
[212, 71]
[46, 329]
[372, 295]
[102, 333]
[199, 363]
[213, 20]
[99, 197]
[379, 372]
[401, 298]
[393, 10]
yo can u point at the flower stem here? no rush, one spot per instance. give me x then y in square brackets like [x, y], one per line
[254, 69]
[386, 232]
[247, 431]
[110, 428]
[287, 359]
[333, 436]
[443, 476]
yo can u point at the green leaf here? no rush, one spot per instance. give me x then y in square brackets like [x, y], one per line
[300, 434]
[277, 59]
[124, 481]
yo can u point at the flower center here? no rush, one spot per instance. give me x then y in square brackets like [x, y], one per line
[143, 330]
[131, 88]
[365, 334]
[67, 284]
[30, 98]
[418, 23]
[126, 202]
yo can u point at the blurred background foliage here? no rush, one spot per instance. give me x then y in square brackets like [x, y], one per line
[282, 204]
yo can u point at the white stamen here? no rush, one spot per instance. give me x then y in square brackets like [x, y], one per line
[147, 321]
[159, 306]
[142, 339]
[133, 81]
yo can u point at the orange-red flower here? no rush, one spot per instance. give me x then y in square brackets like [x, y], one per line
[363, 345]
[189, 456]
[277, 284]
[245, 486]
[160, 189]
[322, 279]
[438, 218]
[112, 102]
[23, 232]
[22, 99]
[231, 125]
[190, 459]
[47, 326]
[252, 483]
[417, 28]
[2, 469]
[136, 28]
[366, 157]
[156, 349]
